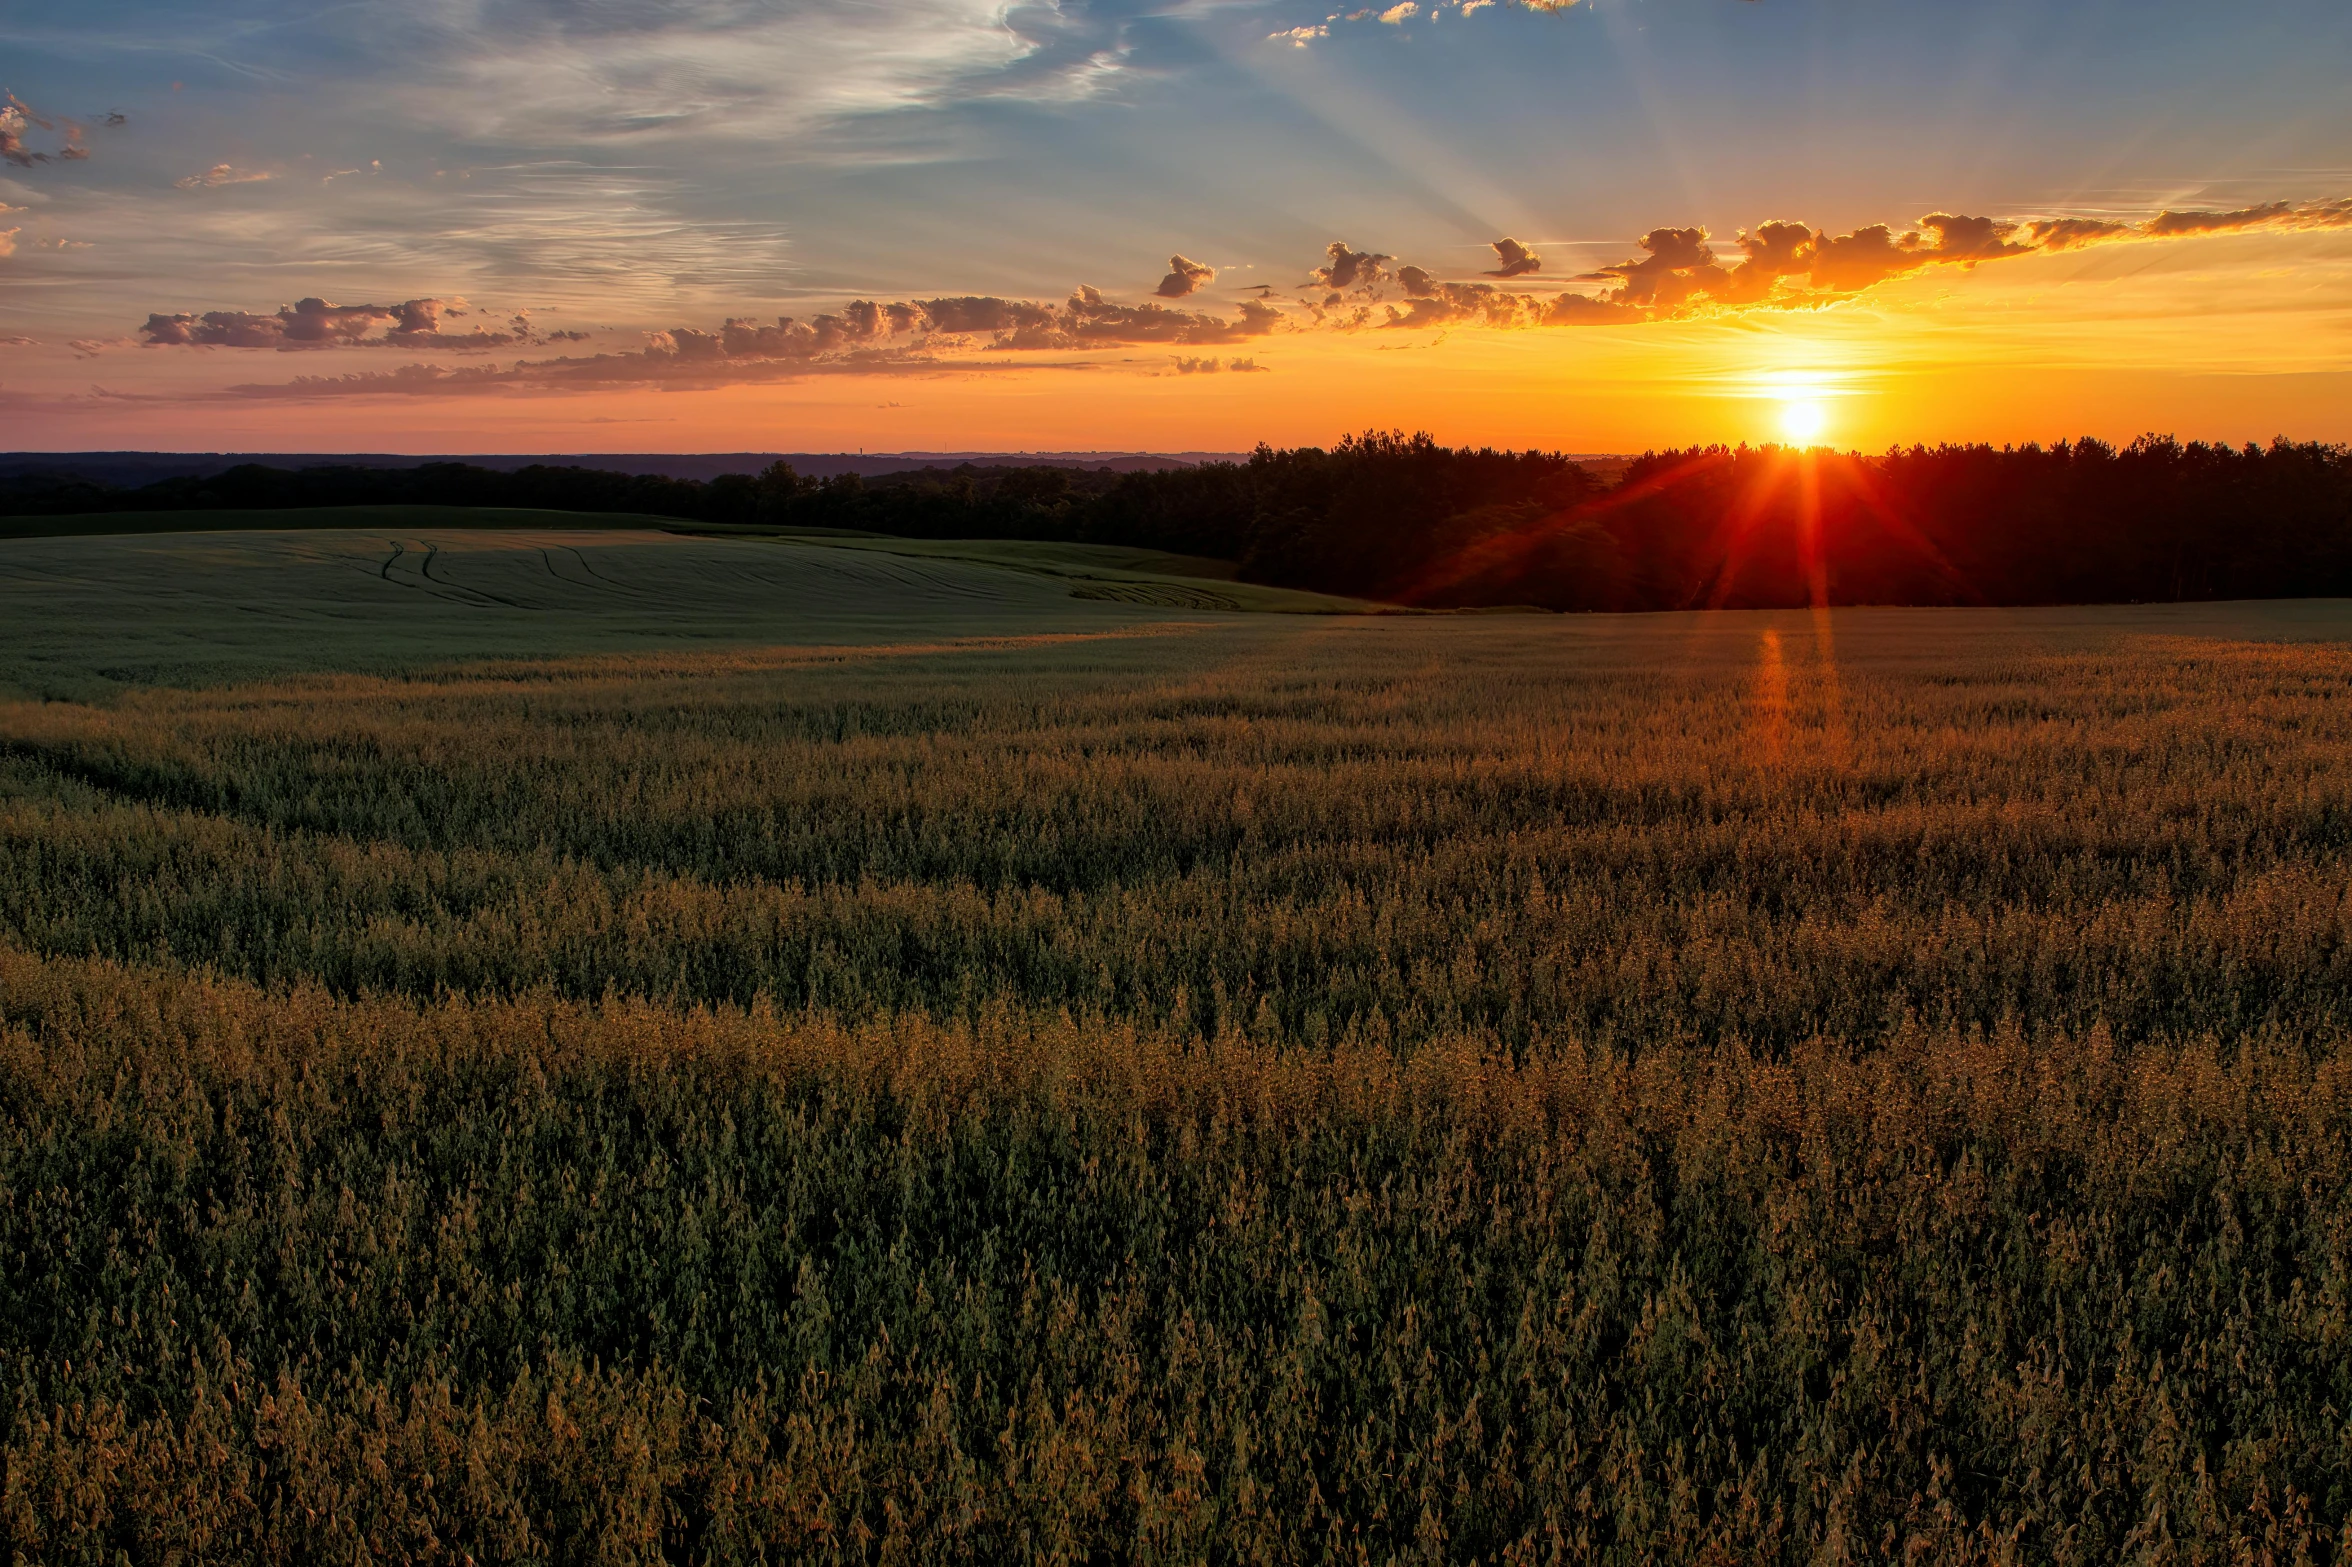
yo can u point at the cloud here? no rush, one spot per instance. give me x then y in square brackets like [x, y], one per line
[1211, 365]
[14, 118]
[2173, 225]
[1347, 269]
[1184, 277]
[1786, 264]
[1396, 14]
[17, 117]
[2056, 234]
[1517, 260]
[2271, 215]
[315, 323]
[1677, 274]
[525, 74]
[221, 174]
[1970, 240]
[864, 335]
[8, 242]
[1300, 37]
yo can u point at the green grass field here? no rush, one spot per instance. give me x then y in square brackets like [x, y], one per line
[869, 1057]
[120, 602]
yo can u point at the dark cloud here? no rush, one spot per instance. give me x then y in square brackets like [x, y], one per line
[1346, 269]
[865, 335]
[2174, 225]
[314, 323]
[1517, 260]
[1184, 277]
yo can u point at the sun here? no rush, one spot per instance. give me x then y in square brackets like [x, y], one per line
[1803, 419]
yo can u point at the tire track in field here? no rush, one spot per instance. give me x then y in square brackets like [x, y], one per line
[433, 553]
[614, 582]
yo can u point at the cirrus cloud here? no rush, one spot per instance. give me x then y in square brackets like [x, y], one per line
[221, 174]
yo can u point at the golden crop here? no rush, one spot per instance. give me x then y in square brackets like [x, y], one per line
[1709, 1089]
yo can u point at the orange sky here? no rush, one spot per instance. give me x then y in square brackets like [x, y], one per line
[2237, 337]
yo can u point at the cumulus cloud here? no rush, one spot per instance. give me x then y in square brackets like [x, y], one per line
[863, 335]
[1184, 277]
[8, 242]
[1300, 37]
[1676, 274]
[1345, 269]
[315, 323]
[1787, 264]
[1516, 259]
[1969, 240]
[221, 174]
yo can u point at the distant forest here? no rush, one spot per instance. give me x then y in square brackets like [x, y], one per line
[1404, 519]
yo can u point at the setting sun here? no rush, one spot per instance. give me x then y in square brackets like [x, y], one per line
[1803, 419]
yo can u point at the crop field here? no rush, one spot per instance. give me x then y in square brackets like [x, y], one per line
[868, 1057]
[122, 602]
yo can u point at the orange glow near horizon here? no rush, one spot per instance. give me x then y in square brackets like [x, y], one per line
[2235, 340]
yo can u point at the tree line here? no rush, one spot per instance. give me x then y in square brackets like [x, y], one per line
[1403, 518]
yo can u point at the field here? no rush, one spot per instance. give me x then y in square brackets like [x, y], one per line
[880, 1059]
[128, 599]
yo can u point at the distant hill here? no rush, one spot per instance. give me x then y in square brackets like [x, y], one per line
[130, 469]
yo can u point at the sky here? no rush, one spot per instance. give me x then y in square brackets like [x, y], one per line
[1170, 225]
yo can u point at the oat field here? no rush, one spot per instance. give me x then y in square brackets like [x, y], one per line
[1111, 1082]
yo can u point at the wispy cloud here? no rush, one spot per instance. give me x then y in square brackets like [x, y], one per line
[557, 73]
[1211, 365]
[64, 138]
[222, 174]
